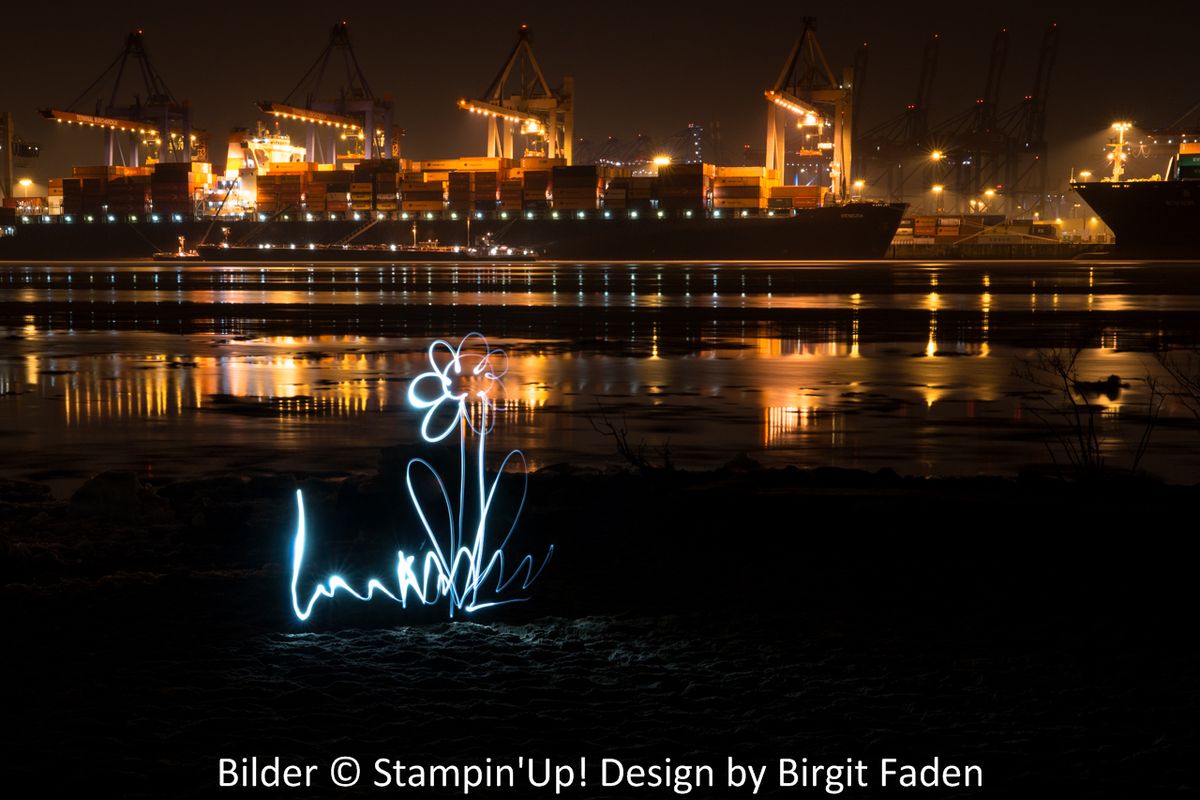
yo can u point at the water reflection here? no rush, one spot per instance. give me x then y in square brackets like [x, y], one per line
[863, 365]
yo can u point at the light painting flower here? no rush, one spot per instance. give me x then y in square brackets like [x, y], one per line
[465, 561]
[458, 376]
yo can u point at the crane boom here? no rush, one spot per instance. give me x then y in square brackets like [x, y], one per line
[284, 111]
[494, 110]
[94, 121]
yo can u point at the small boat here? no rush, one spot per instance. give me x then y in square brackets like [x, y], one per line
[182, 254]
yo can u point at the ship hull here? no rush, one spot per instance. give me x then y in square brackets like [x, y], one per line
[854, 231]
[1150, 219]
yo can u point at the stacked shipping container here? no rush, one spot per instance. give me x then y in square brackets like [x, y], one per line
[456, 185]
[575, 188]
[420, 192]
[684, 187]
[174, 186]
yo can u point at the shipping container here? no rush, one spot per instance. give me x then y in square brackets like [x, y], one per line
[420, 206]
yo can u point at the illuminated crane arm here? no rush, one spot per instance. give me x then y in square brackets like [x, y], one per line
[493, 110]
[283, 111]
[812, 115]
[92, 121]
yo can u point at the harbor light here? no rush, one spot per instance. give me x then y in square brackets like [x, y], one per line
[1117, 156]
[662, 161]
[937, 155]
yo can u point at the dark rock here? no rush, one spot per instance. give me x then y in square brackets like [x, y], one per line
[742, 463]
[118, 495]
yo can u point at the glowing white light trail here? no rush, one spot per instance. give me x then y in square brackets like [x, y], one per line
[469, 571]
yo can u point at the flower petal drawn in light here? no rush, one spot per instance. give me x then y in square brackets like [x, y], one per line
[457, 373]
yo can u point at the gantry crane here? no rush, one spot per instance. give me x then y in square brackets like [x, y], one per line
[546, 117]
[897, 142]
[351, 111]
[151, 117]
[1025, 124]
[808, 88]
[977, 141]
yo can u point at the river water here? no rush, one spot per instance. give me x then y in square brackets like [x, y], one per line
[175, 371]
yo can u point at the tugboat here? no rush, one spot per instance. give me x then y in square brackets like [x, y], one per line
[182, 254]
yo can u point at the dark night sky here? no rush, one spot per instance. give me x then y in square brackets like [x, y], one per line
[639, 67]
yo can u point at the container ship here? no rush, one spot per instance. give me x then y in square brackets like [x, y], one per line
[453, 209]
[274, 200]
[1152, 218]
